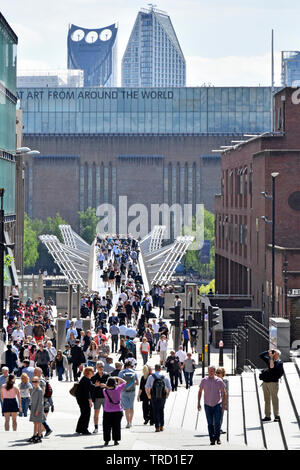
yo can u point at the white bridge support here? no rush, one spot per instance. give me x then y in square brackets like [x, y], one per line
[72, 256]
[160, 262]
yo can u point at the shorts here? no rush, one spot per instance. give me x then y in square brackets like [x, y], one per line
[10, 405]
[98, 403]
[127, 400]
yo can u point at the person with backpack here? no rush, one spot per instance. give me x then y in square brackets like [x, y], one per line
[270, 377]
[128, 394]
[158, 388]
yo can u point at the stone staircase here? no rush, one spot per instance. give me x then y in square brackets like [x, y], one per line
[242, 422]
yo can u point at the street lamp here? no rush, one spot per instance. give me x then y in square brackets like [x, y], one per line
[272, 197]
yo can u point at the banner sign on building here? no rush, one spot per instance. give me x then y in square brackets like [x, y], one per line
[205, 252]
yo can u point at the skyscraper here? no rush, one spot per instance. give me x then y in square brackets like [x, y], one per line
[153, 56]
[95, 52]
[290, 68]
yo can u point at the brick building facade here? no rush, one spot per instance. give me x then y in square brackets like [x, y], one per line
[243, 238]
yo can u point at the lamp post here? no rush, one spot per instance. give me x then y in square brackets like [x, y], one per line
[272, 197]
[274, 175]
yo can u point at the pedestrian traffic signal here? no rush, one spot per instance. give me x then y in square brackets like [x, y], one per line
[175, 315]
[212, 316]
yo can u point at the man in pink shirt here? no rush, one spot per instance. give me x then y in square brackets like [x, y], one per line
[214, 403]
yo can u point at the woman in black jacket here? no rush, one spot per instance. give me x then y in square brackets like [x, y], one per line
[84, 395]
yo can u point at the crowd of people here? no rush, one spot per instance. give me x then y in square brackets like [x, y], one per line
[102, 362]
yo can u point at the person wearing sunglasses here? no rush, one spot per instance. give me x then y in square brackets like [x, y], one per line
[37, 416]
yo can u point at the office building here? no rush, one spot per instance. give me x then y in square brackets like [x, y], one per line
[153, 145]
[243, 238]
[50, 78]
[8, 160]
[95, 52]
[290, 68]
[153, 56]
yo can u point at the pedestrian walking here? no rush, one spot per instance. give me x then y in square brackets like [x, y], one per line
[128, 394]
[84, 395]
[142, 396]
[270, 377]
[189, 367]
[162, 347]
[220, 372]
[173, 367]
[11, 399]
[214, 403]
[25, 388]
[97, 396]
[113, 411]
[145, 350]
[158, 388]
[37, 416]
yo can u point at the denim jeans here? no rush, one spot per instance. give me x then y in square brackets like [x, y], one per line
[213, 416]
[25, 404]
[188, 378]
[60, 371]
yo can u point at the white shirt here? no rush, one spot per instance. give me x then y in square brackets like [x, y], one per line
[155, 327]
[181, 355]
[131, 332]
[163, 345]
[17, 334]
[123, 296]
[123, 330]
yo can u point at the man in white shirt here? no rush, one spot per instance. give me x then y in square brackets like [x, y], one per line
[131, 332]
[18, 334]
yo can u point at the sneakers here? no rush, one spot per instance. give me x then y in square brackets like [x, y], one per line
[277, 418]
[266, 419]
[48, 432]
[212, 443]
[127, 425]
[95, 431]
[37, 440]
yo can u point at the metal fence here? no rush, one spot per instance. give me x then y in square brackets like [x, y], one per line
[248, 341]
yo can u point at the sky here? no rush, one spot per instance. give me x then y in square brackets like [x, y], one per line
[225, 42]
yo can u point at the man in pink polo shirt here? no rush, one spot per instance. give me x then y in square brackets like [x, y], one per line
[214, 403]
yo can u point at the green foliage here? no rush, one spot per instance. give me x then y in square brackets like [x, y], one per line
[205, 289]
[191, 260]
[30, 243]
[36, 255]
[8, 260]
[88, 224]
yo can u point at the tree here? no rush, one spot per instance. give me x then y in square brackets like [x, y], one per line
[88, 224]
[30, 244]
[191, 260]
[41, 259]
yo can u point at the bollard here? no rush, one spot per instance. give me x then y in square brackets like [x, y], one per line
[221, 360]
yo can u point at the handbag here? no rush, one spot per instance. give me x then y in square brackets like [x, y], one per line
[73, 390]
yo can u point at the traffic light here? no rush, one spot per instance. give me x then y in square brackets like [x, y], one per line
[175, 315]
[212, 316]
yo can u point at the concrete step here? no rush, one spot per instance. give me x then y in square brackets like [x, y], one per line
[271, 429]
[252, 419]
[291, 377]
[190, 416]
[289, 423]
[235, 412]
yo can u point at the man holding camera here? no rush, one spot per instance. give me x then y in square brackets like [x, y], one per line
[270, 377]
